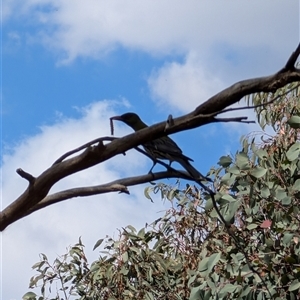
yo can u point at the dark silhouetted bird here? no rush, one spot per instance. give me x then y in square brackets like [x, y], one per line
[161, 148]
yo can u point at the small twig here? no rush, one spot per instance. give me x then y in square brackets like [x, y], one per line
[238, 119]
[60, 159]
[211, 116]
[26, 175]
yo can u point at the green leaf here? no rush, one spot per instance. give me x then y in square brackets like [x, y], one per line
[228, 179]
[294, 122]
[147, 190]
[171, 194]
[234, 170]
[265, 192]
[202, 267]
[225, 161]
[286, 201]
[229, 288]
[195, 293]
[38, 265]
[230, 210]
[149, 295]
[294, 285]
[213, 260]
[242, 161]
[125, 256]
[252, 226]
[207, 264]
[287, 237]
[141, 233]
[258, 172]
[131, 228]
[29, 296]
[228, 198]
[293, 152]
[208, 205]
[296, 185]
[261, 153]
[99, 242]
[280, 194]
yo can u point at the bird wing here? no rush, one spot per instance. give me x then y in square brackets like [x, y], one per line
[166, 148]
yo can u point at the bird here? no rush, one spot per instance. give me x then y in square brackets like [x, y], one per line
[162, 148]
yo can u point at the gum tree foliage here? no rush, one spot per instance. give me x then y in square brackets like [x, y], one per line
[189, 253]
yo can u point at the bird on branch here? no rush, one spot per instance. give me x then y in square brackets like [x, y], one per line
[161, 148]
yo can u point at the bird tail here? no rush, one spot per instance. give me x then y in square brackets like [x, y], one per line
[192, 171]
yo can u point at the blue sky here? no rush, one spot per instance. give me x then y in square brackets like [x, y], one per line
[68, 66]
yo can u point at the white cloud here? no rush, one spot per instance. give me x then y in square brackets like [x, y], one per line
[93, 27]
[53, 229]
[220, 43]
[184, 86]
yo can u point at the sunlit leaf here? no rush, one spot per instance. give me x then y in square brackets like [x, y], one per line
[252, 226]
[228, 198]
[294, 122]
[147, 191]
[296, 185]
[293, 152]
[258, 172]
[287, 237]
[294, 285]
[29, 296]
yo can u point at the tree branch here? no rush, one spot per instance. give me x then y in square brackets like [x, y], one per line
[94, 154]
[26, 175]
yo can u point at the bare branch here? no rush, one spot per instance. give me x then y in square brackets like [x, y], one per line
[94, 154]
[120, 185]
[84, 146]
[26, 175]
[238, 119]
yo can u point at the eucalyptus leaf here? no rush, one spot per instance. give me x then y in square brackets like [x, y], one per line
[252, 226]
[287, 237]
[293, 152]
[258, 172]
[294, 122]
[225, 161]
[294, 285]
[296, 185]
[29, 296]
[99, 242]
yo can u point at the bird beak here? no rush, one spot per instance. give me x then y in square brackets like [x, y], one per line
[118, 118]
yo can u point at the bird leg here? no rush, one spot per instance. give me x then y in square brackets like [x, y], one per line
[154, 163]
